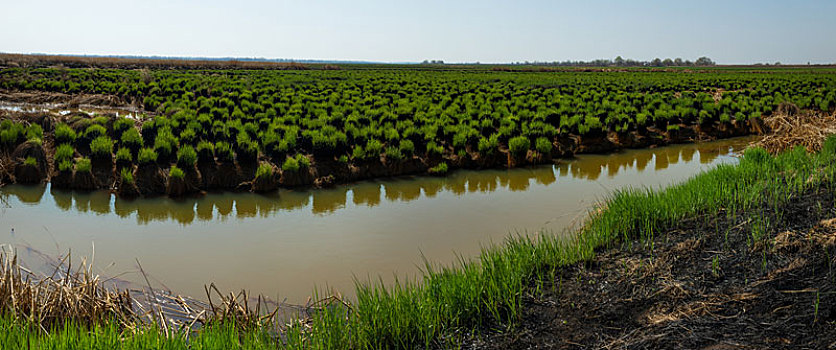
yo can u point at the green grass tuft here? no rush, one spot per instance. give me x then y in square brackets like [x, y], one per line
[63, 152]
[101, 147]
[264, 171]
[186, 157]
[543, 145]
[206, 150]
[123, 155]
[131, 138]
[83, 165]
[147, 156]
[126, 176]
[176, 173]
[439, 169]
[30, 161]
[290, 165]
[65, 165]
[64, 134]
[224, 152]
[519, 145]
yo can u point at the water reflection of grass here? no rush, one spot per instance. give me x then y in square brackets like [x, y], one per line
[63, 199]
[205, 209]
[591, 167]
[366, 194]
[329, 201]
[26, 194]
[432, 187]
[369, 193]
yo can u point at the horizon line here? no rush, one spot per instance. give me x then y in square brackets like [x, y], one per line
[367, 61]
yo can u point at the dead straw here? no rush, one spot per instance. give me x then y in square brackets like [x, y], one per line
[64, 295]
[79, 295]
[790, 127]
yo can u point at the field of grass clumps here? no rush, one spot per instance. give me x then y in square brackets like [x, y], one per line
[476, 295]
[386, 123]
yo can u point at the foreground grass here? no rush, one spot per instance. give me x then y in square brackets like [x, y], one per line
[18, 335]
[488, 290]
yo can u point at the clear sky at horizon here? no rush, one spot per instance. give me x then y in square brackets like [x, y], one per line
[729, 32]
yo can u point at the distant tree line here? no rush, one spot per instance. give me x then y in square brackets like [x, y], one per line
[773, 64]
[621, 62]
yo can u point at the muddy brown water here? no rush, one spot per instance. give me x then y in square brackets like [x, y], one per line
[288, 244]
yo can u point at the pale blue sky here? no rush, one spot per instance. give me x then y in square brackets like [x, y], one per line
[454, 31]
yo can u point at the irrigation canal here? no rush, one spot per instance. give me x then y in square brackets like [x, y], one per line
[286, 244]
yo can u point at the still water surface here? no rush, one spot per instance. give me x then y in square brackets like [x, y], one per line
[285, 244]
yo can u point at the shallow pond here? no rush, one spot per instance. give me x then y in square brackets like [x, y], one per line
[286, 244]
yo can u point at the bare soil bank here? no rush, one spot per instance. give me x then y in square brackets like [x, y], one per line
[700, 285]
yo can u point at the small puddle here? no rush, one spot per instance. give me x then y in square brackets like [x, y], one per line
[62, 109]
[285, 244]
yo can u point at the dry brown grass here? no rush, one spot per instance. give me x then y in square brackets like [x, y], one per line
[67, 294]
[5, 168]
[790, 127]
[20, 60]
[79, 295]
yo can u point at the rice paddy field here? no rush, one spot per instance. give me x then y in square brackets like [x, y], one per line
[184, 131]
[547, 207]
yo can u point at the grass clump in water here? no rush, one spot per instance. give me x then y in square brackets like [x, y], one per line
[264, 171]
[176, 173]
[206, 150]
[83, 165]
[224, 152]
[519, 145]
[543, 145]
[186, 157]
[439, 169]
[297, 163]
[65, 165]
[290, 165]
[126, 176]
[394, 153]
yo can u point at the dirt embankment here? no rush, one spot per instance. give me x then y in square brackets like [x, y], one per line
[700, 285]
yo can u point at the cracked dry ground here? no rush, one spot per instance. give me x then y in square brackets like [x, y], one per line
[705, 284]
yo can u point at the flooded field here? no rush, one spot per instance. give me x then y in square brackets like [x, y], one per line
[286, 244]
